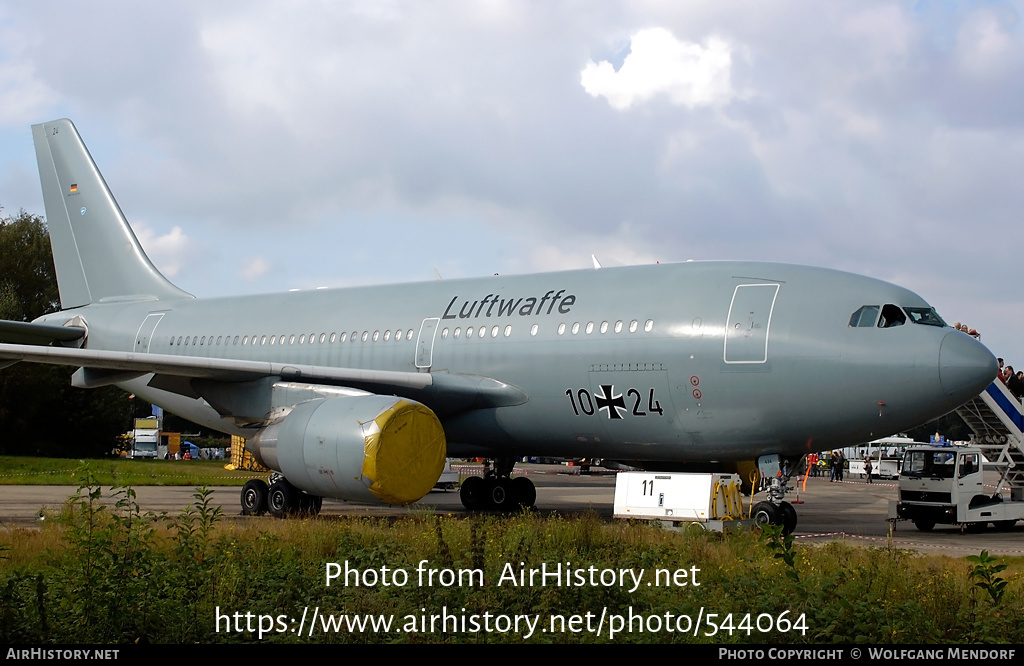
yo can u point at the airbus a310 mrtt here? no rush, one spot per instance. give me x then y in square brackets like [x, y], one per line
[361, 393]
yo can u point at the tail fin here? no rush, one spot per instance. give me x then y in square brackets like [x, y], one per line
[96, 254]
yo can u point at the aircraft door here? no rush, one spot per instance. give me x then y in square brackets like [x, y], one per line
[145, 335]
[425, 343]
[750, 316]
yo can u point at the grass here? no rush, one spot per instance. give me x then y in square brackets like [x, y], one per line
[30, 471]
[98, 575]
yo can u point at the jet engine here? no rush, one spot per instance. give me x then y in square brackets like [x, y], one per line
[365, 448]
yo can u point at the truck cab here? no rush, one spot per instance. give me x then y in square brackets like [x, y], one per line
[945, 485]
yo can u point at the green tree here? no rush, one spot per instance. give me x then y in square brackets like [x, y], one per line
[40, 412]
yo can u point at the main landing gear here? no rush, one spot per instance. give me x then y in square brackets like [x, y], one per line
[497, 490]
[280, 498]
[775, 511]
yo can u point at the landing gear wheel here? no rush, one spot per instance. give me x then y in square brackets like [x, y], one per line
[499, 494]
[924, 524]
[788, 514]
[309, 505]
[524, 492]
[472, 493]
[283, 499]
[765, 513]
[254, 498]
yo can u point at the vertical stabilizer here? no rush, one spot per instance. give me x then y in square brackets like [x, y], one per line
[96, 254]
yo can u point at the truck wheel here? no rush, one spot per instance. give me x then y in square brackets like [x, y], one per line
[923, 524]
[1003, 525]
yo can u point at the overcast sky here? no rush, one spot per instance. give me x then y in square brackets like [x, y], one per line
[264, 146]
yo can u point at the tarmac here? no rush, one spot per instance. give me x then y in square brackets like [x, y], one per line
[852, 510]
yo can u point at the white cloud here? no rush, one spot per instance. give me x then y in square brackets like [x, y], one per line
[690, 74]
[255, 268]
[170, 252]
[23, 97]
[985, 48]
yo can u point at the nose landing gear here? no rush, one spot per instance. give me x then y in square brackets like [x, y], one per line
[775, 511]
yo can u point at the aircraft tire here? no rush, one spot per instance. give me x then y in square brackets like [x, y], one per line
[472, 493]
[310, 505]
[788, 514]
[283, 499]
[766, 513]
[500, 494]
[923, 524]
[254, 497]
[524, 492]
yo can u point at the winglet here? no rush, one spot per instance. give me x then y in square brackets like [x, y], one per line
[95, 252]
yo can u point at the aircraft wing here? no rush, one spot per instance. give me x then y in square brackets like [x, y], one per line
[200, 377]
[23, 332]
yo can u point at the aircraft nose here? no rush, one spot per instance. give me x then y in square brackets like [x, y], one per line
[965, 365]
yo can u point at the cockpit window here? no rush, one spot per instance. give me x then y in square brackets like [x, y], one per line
[891, 316]
[926, 316]
[864, 317]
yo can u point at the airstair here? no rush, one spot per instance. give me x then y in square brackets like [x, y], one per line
[996, 418]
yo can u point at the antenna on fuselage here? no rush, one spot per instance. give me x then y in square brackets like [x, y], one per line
[597, 264]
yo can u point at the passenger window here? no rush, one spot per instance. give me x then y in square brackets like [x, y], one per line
[891, 316]
[533, 329]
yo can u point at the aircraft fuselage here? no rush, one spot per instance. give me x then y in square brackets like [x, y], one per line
[700, 361]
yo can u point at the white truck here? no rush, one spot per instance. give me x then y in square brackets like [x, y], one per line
[945, 485]
[145, 437]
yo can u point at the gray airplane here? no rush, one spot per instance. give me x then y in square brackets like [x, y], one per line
[361, 393]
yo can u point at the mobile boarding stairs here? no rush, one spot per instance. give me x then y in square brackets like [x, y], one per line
[996, 418]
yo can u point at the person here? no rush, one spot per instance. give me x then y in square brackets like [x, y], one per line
[867, 467]
[840, 461]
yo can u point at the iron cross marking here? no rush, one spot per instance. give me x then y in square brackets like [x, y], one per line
[609, 401]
